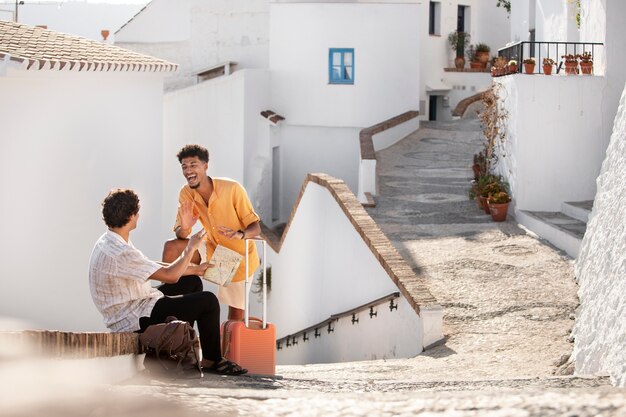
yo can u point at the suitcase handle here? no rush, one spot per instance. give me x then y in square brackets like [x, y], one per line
[246, 312]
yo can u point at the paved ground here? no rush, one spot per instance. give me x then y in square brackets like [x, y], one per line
[509, 302]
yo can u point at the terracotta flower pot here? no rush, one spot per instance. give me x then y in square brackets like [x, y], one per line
[476, 65]
[547, 69]
[483, 58]
[571, 68]
[586, 68]
[529, 68]
[512, 69]
[498, 211]
[459, 62]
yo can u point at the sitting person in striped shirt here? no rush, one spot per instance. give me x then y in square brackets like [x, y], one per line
[119, 278]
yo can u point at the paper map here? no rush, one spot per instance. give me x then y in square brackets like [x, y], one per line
[226, 262]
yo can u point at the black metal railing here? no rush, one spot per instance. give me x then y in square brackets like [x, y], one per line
[520, 51]
[328, 324]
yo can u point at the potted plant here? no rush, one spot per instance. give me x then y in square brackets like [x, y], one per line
[586, 63]
[529, 65]
[458, 42]
[499, 205]
[512, 66]
[482, 53]
[486, 185]
[571, 64]
[473, 60]
[480, 165]
[548, 63]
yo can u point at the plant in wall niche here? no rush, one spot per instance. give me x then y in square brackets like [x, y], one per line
[529, 65]
[548, 63]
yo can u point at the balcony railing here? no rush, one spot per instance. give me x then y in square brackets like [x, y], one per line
[539, 50]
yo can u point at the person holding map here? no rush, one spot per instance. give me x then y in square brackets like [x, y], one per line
[225, 212]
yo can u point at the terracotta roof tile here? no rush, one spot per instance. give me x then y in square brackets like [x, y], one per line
[37, 47]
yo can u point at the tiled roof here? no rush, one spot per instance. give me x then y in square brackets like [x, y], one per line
[37, 48]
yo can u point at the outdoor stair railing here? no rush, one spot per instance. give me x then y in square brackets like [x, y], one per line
[519, 51]
[316, 329]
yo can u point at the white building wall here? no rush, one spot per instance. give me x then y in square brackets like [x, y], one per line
[385, 38]
[198, 34]
[521, 20]
[552, 152]
[600, 343]
[603, 21]
[324, 268]
[305, 149]
[556, 21]
[464, 85]
[67, 139]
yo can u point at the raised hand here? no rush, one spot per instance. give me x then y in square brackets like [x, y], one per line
[196, 239]
[188, 217]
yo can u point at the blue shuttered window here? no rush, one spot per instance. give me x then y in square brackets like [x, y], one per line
[341, 66]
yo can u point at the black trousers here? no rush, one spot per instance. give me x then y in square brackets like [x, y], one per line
[186, 301]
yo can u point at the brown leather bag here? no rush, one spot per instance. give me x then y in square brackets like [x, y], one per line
[172, 348]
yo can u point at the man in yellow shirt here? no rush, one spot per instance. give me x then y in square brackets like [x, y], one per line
[225, 212]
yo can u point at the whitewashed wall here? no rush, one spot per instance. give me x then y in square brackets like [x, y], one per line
[603, 21]
[67, 139]
[303, 149]
[324, 268]
[385, 38]
[198, 34]
[552, 149]
[556, 21]
[600, 345]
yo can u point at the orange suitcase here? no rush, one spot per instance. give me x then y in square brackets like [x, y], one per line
[251, 343]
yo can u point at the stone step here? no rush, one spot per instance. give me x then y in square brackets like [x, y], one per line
[578, 209]
[561, 230]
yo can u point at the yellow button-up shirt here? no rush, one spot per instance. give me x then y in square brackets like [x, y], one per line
[228, 206]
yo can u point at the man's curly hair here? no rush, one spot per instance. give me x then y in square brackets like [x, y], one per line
[193, 150]
[119, 206]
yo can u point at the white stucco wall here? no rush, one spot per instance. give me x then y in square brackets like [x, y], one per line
[552, 150]
[603, 21]
[600, 330]
[67, 139]
[324, 268]
[385, 38]
[198, 34]
[304, 149]
[556, 21]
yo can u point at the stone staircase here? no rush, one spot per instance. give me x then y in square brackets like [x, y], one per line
[564, 229]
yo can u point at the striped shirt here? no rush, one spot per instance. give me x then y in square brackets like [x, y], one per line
[118, 278]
